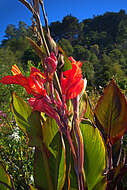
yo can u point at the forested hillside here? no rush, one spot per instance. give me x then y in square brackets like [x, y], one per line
[100, 43]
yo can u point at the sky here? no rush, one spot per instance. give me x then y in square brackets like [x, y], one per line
[12, 11]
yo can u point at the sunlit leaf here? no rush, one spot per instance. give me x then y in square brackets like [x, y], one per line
[49, 158]
[50, 166]
[58, 161]
[111, 112]
[42, 177]
[94, 155]
[4, 179]
[49, 130]
[34, 130]
[21, 111]
[28, 121]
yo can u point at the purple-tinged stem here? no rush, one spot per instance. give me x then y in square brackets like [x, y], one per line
[66, 132]
[80, 144]
[110, 156]
[78, 133]
[51, 90]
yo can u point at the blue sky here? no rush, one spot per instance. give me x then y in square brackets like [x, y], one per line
[12, 11]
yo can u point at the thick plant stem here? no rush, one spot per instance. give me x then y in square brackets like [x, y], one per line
[110, 167]
[71, 145]
[80, 145]
[66, 132]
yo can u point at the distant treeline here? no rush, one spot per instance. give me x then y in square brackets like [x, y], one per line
[100, 43]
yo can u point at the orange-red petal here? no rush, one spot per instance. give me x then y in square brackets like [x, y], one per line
[71, 80]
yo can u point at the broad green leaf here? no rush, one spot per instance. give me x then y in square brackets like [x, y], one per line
[4, 179]
[85, 109]
[28, 121]
[58, 161]
[34, 130]
[50, 166]
[94, 155]
[49, 130]
[21, 111]
[111, 112]
[42, 177]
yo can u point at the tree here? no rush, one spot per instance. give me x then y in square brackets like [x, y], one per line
[22, 29]
[95, 49]
[10, 31]
[7, 59]
[117, 56]
[122, 30]
[103, 71]
[80, 53]
[56, 30]
[66, 45]
[88, 72]
[29, 55]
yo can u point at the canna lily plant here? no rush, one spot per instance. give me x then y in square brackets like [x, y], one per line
[74, 144]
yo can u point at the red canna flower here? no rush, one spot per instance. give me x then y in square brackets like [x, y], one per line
[43, 104]
[71, 80]
[33, 84]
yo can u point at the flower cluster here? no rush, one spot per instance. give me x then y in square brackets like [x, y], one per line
[71, 86]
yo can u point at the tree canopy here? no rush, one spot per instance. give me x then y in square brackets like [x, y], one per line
[100, 43]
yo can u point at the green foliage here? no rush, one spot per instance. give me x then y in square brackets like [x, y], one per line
[4, 178]
[103, 71]
[94, 155]
[49, 152]
[81, 53]
[15, 155]
[66, 46]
